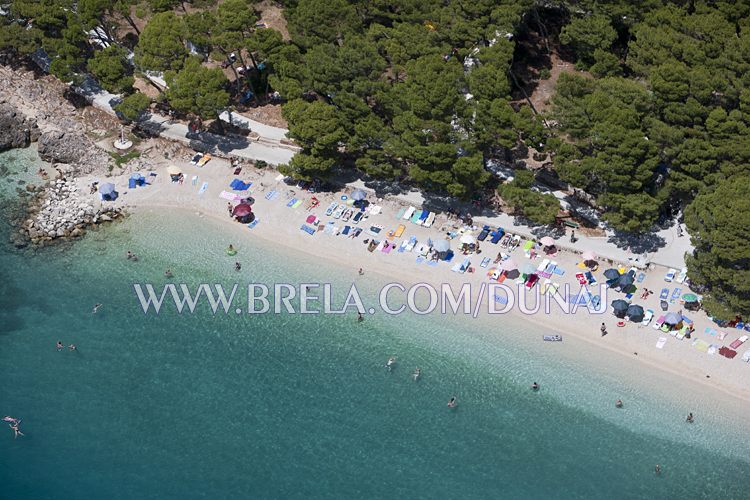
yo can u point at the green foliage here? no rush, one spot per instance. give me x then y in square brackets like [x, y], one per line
[718, 222]
[121, 159]
[587, 34]
[197, 89]
[133, 106]
[110, 66]
[161, 46]
[537, 207]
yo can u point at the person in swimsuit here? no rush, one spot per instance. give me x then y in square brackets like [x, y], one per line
[168, 273]
[657, 469]
[618, 403]
[72, 347]
[689, 418]
[16, 430]
[452, 403]
[534, 386]
[60, 345]
[96, 308]
[237, 266]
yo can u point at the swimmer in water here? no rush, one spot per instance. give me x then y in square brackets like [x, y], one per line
[12, 420]
[390, 363]
[534, 386]
[453, 402]
[417, 374]
[96, 308]
[618, 403]
[689, 418]
[60, 345]
[129, 255]
[657, 469]
[16, 430]
[72, 347]
[237, 266]
[168, 273]
[360, 318]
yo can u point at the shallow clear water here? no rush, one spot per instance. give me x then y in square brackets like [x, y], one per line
[227, 406]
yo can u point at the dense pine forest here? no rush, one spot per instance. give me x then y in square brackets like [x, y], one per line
[652, 120]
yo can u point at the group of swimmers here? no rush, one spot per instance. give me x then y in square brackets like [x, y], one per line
[71, 347]
[14, 423]
[131, 256]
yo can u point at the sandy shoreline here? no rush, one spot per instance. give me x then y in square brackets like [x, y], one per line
[709, 375]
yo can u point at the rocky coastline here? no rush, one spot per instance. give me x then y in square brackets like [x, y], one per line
[34, 112]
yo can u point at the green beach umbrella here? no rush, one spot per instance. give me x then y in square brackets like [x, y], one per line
[690, 297]
[528, 245]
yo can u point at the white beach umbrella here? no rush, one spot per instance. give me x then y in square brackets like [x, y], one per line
[508, 265]
[442, 245]
[589, 256]
[547, 241]
[468, 239]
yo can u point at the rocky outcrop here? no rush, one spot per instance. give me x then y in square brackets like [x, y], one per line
[16, 130]
[72, 148]
[60, 210]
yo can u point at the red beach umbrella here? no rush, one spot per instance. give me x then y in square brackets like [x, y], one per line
[242, 210]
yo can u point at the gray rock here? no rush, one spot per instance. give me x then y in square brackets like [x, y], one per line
[16, 130]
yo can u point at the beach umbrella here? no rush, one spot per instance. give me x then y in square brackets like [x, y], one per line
[625, 280]
[468, 239]
[547, 241]
[173, 170]
[528, 245]
[672, 318]
[508, 265]
[358, 195]
[620, 305]
[635, 313]
[549, 250]
[589, 255]
[611, 274]
[591, 264]
[512, 274]
[442, 245]
[528, 268]
[241, 210]
[690, 297]
[107, 188]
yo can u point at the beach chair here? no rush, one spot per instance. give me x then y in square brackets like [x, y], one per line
[543, 265]
[423, 217]
[402, 247]
[397, 232]
[307, 229]
[641, 277]
[346, 230]
[659, 322]
[291, 202]
[297, 204]
[581, 278]
[339, 211]
[430, 220]
[483, 233]
[495, 236]
[590, 277]
[203, 188]
[485, 262]
[737, 343]
[253, 223]
[415, 218]
[661, 342]
[331, 208]
[675, 295]
[647, 317]
[682, 276]
[409, 212]
[411, 244]
[669, 277]
[683, 331]
[205, 159]
[664, 295]
[196, 158]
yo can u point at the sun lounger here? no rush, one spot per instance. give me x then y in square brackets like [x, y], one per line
[746, 356]
[590, 277]
[659, 322]
[701, 345]
[675, 295]
[339, 211]
[664, 295]
[667, 329]
[411, 244]
[196, 157]
[329, 227]
[461, 267]
[647, 317]
[641, 277]
[682, 276]
[398, 231]
[239, 185]
[669, 277]
[496, 235]
[484, 233]
[416, 216]
[307, 229]
[485, 262]
[400, 213]
[409, 212]
[423, 217]
[205, 159]
[581, 278]
[543, 265]
[203, 188]
[738, 342]
[430, 220]
[253, 223]
[331, 208]
[291, 202]
[559, 271]
[660, 343]
[402, 246]
[375, 230]
[713, 349]
[388, 247]
[683, 331]
[346, 230]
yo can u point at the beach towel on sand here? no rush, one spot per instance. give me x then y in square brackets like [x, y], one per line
[660, 343]
[203, 188]
[253, 224]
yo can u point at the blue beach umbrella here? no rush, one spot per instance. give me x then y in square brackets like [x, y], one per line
[358, 195]
[611, 274]
[107, 188]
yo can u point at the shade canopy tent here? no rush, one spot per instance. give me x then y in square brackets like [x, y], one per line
[672, 318]
[547, 241]
[612, 274]
[242, 210]
[508, 265]
[358, 195]
[136, 180]
[442, 245]
[635, 313]
[620, 307]
[107, 191]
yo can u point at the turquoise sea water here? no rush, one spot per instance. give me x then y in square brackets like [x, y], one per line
[281, 406]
